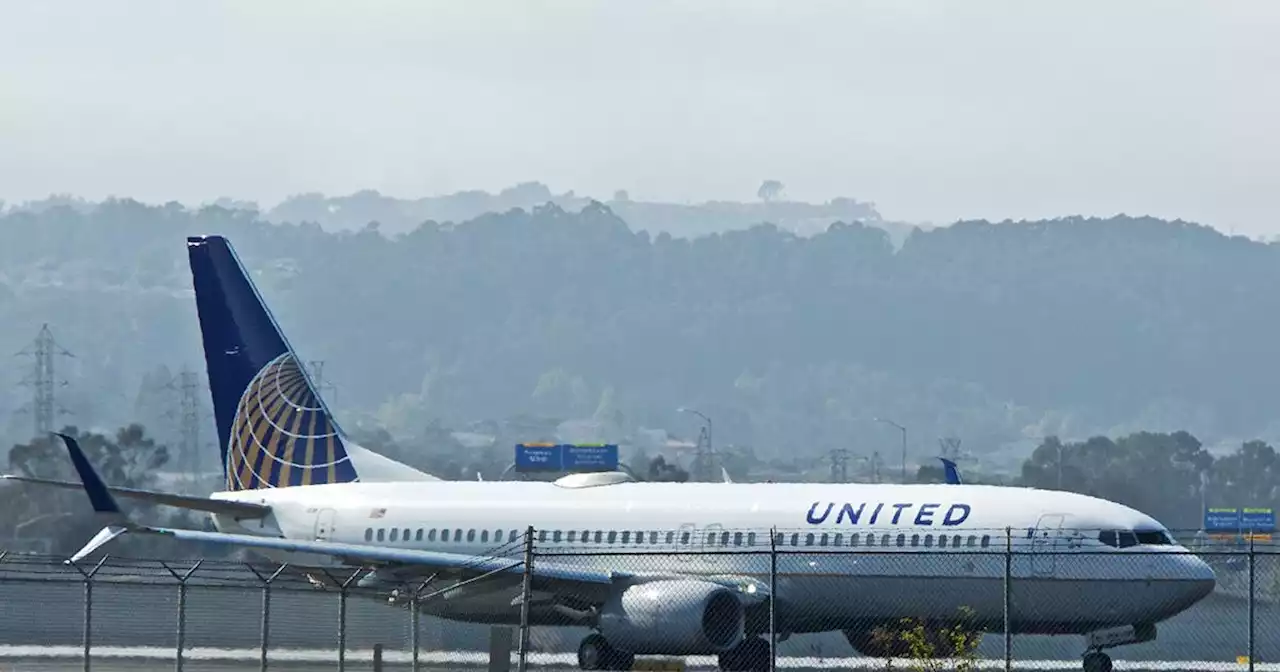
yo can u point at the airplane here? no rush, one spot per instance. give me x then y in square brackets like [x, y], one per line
[647, 568]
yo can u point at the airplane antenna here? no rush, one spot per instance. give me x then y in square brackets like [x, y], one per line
[44, 405]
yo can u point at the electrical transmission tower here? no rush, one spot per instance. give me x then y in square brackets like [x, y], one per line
[839, 465]
[189, 388]
[44, 406]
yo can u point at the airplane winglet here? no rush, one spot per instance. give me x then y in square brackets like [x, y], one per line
[953, 473]
[99, 496]
[101, 499]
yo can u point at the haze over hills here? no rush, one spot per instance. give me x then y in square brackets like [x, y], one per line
[991, 332]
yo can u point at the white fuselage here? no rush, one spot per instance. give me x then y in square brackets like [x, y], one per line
[851, 555]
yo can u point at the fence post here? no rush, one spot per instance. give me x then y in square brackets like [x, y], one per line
[265, 634]
[342, 617]
[526, 594]
[414, 619]
[773, 599]
[87, 638]
[1008, 580]
[1252, 599]
[182, 607]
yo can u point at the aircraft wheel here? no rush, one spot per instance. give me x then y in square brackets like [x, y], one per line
[750, 656]
[1097, 661]
[594, 653]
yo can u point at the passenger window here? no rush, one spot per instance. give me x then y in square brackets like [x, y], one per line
[751, 538]
[853, 539]
[381, 534]
[822, 541]
[513, 536]
[418, 535]
[942, 540]
[902, 540]
[639, 537]
[395, 534]
[573, 536]
[684, 538]
[471, 536]
[795, 539]
[457, 535]
[431, 535]
[368, 534]
[711, 538]
[542, 536]
[406, 534]
[955, 541]
[613, 537]
[808, 539]
[972, 541]
[838, 540]
[986, 540]
[555, 536]
[626, 537]
[777, 539]
[724, 539]
[671, 538]
[484, 536]
[915, 540]
[653, 538]
[599, 535]
[884, 541]
[928, 541]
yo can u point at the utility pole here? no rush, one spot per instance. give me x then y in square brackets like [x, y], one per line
[904, 444]
[704, 459]
[44, 406]
[839, 465]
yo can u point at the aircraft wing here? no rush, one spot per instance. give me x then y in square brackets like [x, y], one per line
[585, 583]
[238, 509]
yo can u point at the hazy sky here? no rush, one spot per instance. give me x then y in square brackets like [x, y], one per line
[934, 110]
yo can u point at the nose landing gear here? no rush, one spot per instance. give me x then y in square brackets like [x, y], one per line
[1097, 661]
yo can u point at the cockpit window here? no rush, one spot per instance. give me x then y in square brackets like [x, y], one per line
[1154, 538]
[1127, 538]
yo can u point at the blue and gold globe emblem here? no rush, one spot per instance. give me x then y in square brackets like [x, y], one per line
[282, 434]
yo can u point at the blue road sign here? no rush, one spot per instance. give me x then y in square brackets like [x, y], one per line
[539, 457]
[1258, 519]
[603, 457]
[1221, 520]
[566, 457]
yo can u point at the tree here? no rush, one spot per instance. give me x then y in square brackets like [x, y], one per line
[769, 190]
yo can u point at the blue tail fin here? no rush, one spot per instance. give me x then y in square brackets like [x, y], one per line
[274, 429]
[952, 473]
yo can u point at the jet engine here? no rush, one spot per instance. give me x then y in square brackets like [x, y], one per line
[676, 617]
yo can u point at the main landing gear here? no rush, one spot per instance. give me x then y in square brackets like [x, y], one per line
[595, 653]
[1097, 661]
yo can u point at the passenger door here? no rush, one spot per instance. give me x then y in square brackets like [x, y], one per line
[1044, 544]
[324, 524]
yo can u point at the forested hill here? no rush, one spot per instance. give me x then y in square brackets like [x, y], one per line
[989, 332]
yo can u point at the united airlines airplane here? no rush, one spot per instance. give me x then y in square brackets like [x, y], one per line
[853, 557]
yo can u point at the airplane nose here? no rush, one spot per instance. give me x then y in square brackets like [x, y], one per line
[1195, 575]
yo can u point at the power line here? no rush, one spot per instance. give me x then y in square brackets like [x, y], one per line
[44, 406]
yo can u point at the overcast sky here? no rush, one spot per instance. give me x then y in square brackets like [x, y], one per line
[933, 110]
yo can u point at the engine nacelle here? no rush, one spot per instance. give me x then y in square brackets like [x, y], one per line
[674, 618]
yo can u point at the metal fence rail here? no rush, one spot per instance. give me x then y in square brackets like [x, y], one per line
[262, 614]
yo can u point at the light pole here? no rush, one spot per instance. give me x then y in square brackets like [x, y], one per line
[904, 444]
[703, 467]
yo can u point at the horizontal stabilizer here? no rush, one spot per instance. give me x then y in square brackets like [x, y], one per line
[193, 503]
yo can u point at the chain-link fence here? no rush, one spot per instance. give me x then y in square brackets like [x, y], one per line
[734, 599]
